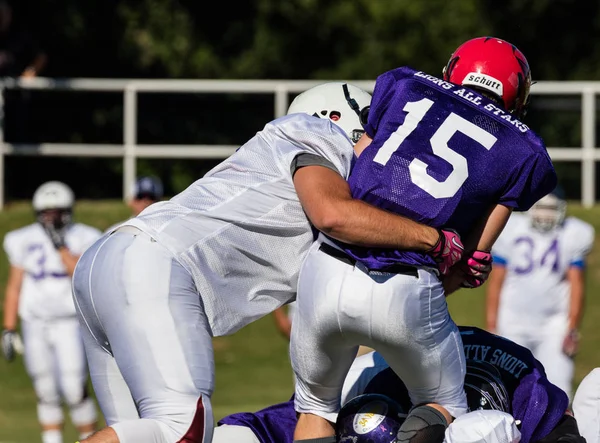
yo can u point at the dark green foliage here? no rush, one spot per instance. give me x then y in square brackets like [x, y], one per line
[268, 39]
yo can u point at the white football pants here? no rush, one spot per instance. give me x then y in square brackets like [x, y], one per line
[55, 361]
[546, 344]
[147, 340]
[586, 406]
[404, 317]
[234, 434]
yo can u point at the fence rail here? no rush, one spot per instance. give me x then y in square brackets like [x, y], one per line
[587, 154]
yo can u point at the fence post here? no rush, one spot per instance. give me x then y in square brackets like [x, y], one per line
[588, 139]
[2, 190]
[281, 100]
[129, 140]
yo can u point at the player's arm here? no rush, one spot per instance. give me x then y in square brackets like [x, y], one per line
[576, 279]
[11, 297]
[492, 295]
[328, 203]
[69, 259]
[11, 310]
[483, 237]
[282, 322]
[476, 264]
[575, 275]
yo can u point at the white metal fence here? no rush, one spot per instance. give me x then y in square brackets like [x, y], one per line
[587, 154]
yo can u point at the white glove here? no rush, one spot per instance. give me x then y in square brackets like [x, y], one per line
[483, 426]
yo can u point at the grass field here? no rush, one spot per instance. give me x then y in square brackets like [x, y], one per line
[252, 368]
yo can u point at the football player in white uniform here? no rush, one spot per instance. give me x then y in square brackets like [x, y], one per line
[42, 258]
[221, 254]
[536, 290]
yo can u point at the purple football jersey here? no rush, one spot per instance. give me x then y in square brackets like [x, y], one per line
[274, 424]
[443, 155]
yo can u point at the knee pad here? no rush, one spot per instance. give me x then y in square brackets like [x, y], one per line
[49, 409]
[46, 389]
[50, 413]
[83, 413]
[73, 389]
[424, 424]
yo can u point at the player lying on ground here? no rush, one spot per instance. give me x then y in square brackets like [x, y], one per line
[450, 153]
[226, 251]
[501, 375]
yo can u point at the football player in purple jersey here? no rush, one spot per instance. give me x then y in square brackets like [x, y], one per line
[500, 375]
[450, 153]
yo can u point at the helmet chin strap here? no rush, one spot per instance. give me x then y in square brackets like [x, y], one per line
[362, 113]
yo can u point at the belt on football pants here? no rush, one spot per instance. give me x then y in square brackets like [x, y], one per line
[392, 269]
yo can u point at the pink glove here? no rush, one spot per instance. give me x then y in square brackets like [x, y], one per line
[447, 251]
[477, 269]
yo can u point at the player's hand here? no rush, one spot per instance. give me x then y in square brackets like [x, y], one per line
[57, 236]
[448, 250]
[571, 343]
[477, 267]
[8, 344]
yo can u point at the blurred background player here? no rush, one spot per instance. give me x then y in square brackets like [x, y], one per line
[536, 290]
[146, 191]
[42, 259]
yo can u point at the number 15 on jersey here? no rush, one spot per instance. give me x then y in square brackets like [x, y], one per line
[454, 123]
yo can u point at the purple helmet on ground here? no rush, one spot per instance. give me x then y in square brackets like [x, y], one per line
[370, 418]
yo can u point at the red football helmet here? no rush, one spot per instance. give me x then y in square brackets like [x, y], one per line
[495, 66]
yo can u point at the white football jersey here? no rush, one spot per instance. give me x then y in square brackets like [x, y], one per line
[115, 226]
[46, 287]
[241, 230]
[535, 287]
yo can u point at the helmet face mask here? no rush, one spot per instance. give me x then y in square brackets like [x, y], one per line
[344, 104]
[370, 418]
[548, 213]
[495, 66]
[59, 218]
[484, 387]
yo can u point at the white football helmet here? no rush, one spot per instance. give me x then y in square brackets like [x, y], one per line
[344, 104]
[548, 212]
[53, 195]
